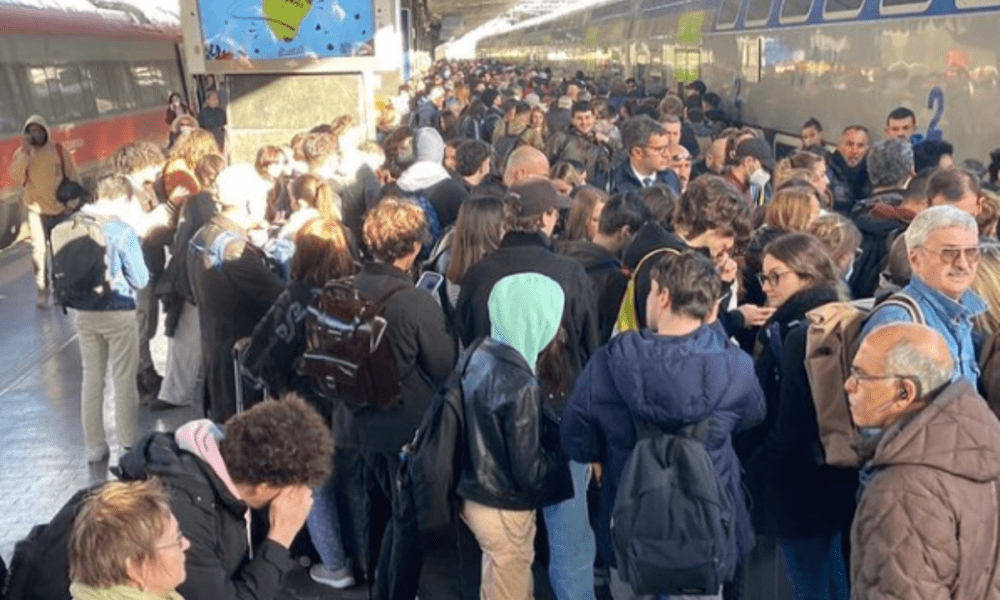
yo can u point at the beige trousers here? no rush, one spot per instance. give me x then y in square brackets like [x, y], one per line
[108, 337]
[507, 538]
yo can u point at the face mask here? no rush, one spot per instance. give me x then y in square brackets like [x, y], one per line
[760, 177]
[868, 433]
[850, 271]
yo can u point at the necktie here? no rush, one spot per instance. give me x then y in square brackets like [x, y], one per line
[647, 182]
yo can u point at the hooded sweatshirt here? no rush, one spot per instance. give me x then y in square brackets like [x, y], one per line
[512, 459]
[42, 171]
[671, 382]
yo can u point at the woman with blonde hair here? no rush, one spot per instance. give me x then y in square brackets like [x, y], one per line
[126, 545]
[311, 198]
[841, 238]
[791, 209]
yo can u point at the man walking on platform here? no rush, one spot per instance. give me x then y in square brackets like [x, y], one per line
[40, 165]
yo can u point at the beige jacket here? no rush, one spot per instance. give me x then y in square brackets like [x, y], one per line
[926, 527]
[40, 171]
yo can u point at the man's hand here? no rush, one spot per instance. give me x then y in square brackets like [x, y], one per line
[727, 268]
[288, 512]
[755, 316]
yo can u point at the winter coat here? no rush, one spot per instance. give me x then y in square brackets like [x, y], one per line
[926, 526]
[174, 288]
[793, 494]
[670, 381]
[425, 355]
[213, 519]
[584, 149]
[610, 281]
[233, 288]
[433, 182]
[847, 184]
[769, 356]
[624, 179]
[879, 227]
[650, 236]
[42, 172]
[524, 253]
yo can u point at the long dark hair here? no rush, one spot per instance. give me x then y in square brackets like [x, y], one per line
[552, 372]
[478, 230]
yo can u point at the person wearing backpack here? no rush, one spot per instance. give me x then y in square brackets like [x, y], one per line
[105, 321]
[512, 462]
[943, 248]
[429, 182]
[678, 372]
[804, 504]
[40, 165]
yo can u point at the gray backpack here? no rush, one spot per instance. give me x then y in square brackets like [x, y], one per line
[673, 525]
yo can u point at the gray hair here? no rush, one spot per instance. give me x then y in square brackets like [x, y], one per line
[938, 217]
[890, 163]
[905, 358]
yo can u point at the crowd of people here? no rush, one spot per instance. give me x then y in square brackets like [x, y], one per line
[609, 260]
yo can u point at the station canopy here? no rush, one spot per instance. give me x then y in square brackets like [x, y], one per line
[162, 13]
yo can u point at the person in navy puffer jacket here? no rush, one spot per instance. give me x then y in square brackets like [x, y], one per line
[675, 373]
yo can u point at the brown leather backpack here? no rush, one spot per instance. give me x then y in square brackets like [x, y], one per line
[348, 355]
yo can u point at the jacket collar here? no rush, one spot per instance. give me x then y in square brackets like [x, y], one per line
[520, 238]
[795, 308]
[965, 309]
[384, 269]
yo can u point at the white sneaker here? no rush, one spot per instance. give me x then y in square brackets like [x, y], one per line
[338, 579]
[98, 453]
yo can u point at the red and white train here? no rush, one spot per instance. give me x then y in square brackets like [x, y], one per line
[99, 81]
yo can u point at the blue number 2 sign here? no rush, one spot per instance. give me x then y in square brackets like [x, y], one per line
[935, 101]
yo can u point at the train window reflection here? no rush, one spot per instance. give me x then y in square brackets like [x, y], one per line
[10, 120]
[41, 96]
[893, 7]
[729, 10]
[758, 11]
[795, 10]
[73, 101]
[152, 85]
[104, 93]
[842, 8]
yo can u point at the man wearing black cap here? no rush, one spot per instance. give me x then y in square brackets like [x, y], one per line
[750, 170]
[533, 206]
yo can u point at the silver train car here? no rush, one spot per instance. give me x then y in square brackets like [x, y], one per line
[776, 63]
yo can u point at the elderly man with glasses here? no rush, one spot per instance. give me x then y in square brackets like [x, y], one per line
[943, 244]
[927, 523]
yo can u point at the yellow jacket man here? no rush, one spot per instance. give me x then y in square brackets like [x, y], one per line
[37, 164]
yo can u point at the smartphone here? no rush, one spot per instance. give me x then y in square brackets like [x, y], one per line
[431, 282]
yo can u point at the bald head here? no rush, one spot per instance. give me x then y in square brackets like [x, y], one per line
[523, 162]
[897, 369]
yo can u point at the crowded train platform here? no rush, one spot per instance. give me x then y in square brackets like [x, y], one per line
[539, 335]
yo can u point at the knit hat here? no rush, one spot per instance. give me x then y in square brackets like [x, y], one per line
[429, 145]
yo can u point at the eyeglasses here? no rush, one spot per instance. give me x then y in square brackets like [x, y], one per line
[774, 278]
[680, 158]
[949, 256]
[859, 375]
[177, 543]
[658, 149]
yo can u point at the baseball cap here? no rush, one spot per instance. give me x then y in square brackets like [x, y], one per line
[537, 196]
[758, 149]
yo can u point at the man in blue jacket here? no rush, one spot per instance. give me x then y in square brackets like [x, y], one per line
[678, 372]
[647, 163]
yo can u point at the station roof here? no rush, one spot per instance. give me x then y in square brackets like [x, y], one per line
[459, 16]
[160, 13]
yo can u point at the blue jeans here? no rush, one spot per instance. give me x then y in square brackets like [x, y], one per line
[571, 541]
[324, 527]
[815, 567]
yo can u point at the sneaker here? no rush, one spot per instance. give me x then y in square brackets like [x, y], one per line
[98, 453]
[338, 579]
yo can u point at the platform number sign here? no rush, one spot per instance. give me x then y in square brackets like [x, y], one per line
[935, 102]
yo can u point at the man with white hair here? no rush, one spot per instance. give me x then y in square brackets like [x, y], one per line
[233, 287]
[927, 520]
[943, 244]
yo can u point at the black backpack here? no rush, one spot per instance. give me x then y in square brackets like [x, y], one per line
[348, 355]
[673, 525]
[79, 263]
[39, 569]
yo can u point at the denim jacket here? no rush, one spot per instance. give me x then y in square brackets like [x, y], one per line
[127, 271]
[953, 320]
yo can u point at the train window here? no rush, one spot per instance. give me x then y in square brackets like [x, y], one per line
[120, 78]
[73, 99]
[795, 11]
[975, 3]
[105, 96]
[151, 83]
[842, 8]
[10, 120]
[895, 7]
[758, 12]
[41, 95]
[729, 10]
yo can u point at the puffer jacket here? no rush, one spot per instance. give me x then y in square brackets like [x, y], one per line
[670, 381]
[927, 523]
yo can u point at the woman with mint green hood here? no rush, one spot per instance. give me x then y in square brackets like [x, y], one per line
[513, 462]
[126, 545]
